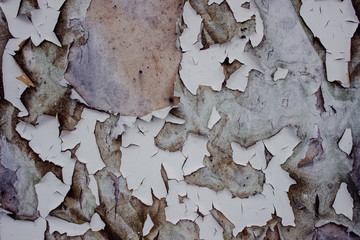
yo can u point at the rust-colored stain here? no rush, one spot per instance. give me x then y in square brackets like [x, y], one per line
[23, 77]
[130, 61]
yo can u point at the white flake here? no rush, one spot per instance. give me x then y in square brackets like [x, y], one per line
[147, 225]
[96, 223]
[65, 227]
[209, 228]
[344, 203]
[238, 80]
[94, 188]
[345, 143]
[214, 118]
[190, 34]
[162, 113]
[208, 71]
[334, 23]
[194, 149]
[172, 119]
[241, 14]
[215, 1]
[281, 146]
[88, 151]
[55, 4]
[138, 149]
[11, 229]
[280, 73]
[282, 143]
[44, 140]
[175, 211]
[51, 193]
[256, 38]
[253, 155]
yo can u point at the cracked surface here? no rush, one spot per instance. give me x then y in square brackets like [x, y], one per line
[306, 178]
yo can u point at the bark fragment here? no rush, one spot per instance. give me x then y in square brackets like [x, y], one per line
[314, 149]
[355, 173]
[130, 60]
[332, 231]
[79, 204]
[219, 24]
[4, 37]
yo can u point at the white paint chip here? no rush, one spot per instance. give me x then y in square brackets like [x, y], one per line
[173, 119]
[138, 149]
[239, 79]
[207, 71]
[344, 203]
[202, 67]
[280, 73]
[88, 151]
[44, 140]
[147, 225]
[11, 229]
[65, 227]
[281, 146]
[209, 228]
[334, 23]
[215, 1]
[241, 14]
[282, 143]
[257, 37]
[194, 149]
[51, 193]
[346, 143]
[73, 229]
[96, 223]
[253, 155]
[190, 34]
[240, 154]
[94, 188]
[214, 118]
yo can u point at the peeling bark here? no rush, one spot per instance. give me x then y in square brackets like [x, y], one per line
[320, 111]
[130, 60]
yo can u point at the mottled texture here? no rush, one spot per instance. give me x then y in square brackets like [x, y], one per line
[333, 231]
[219, 24]
[129, 62]
[355, 173]
[8, 194]
[241, 181]
[4, 37]
[304, 100]
[79, 204]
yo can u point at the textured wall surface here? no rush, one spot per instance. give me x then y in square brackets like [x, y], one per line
[198, 119]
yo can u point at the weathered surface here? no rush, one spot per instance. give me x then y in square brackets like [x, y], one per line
[219, 24]
[79, 204]
[333, 231]
[4, 37]
[129, 62]
[303, 100]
